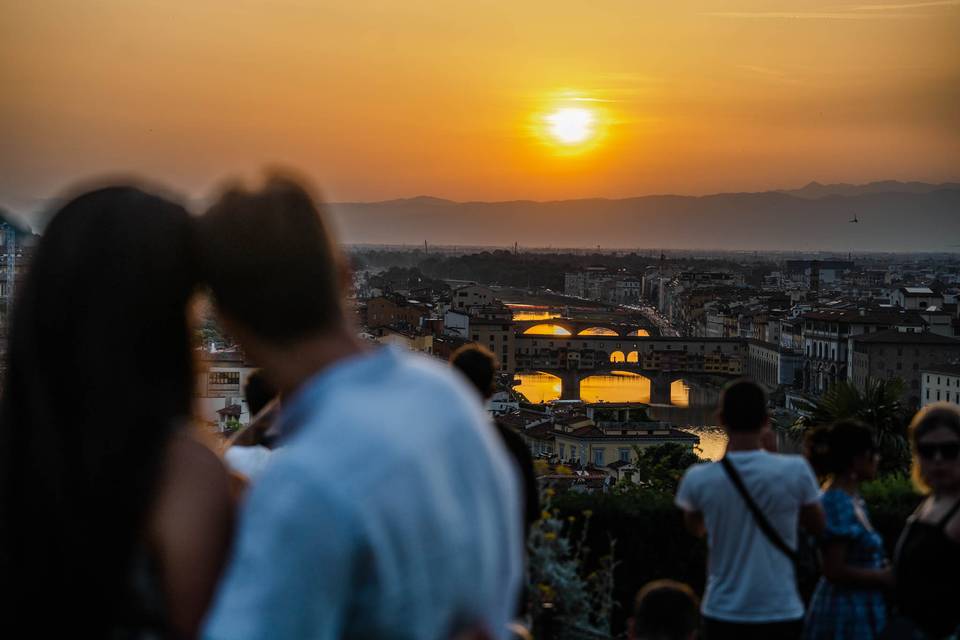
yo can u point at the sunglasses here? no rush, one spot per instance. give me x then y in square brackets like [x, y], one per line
[948, 450]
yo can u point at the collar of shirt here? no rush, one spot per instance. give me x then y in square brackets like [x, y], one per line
[313, 391]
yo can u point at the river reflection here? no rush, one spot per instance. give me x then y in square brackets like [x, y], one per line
[621, 386]
[538, 387]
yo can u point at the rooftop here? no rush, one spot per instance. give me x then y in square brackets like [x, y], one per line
[946, 368]
[892, 336]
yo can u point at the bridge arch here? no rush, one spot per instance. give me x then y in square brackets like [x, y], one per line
[547, 329]
[640, 333]
[597, 331]
[617, 356]
[633, 357]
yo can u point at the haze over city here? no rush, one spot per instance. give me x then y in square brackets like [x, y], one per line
[489, 101]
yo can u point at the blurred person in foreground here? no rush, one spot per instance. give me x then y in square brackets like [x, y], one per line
[665, 610]
[927, 560]
[480, 366]
[848, 603]
[114, 520]
[389, 509]
[749, 505]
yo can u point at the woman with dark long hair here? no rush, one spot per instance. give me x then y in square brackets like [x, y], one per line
[114, 521]
[848, 603]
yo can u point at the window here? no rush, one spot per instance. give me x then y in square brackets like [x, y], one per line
[598, 457]
[563, 450]
[224, 377]
[624, 453]
[476, 338]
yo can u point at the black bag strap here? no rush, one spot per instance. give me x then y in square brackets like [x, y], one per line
[758, 515]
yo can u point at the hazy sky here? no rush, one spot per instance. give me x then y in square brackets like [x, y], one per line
[378, 100]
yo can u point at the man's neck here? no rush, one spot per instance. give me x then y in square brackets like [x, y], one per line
[744, 441]
[291, 365]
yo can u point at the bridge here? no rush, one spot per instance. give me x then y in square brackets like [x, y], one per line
[661, 360]
[563, 327]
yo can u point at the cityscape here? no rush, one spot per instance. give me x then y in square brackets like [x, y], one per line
[420, 320]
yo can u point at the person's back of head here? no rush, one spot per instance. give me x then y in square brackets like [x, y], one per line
[271, 261]
[479, 365]
[835, 448]
[743, 406]
[99, 378]
[665, 610]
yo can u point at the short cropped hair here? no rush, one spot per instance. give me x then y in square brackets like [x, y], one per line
[743, 406]
[665, 610]
[478, 364]
[258, 392]
[271, 261]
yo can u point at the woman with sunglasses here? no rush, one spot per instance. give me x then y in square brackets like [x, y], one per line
[927, 561]
[848, 603]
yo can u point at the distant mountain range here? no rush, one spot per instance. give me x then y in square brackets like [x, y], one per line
[892, 216]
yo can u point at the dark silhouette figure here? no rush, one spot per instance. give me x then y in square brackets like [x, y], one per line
[665, 610]
[480, 366]
[113, 521]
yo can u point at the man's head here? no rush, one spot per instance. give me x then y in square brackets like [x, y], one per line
[258, 392]
[272, 263]
[743, 407]
[665, 610]
[479, 365]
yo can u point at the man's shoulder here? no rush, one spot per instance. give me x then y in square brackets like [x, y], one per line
[701, 472]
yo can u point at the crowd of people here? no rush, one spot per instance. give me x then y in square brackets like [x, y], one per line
[371, 496]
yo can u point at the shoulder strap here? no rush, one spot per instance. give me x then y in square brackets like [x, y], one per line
[758, 515]
[943, 521]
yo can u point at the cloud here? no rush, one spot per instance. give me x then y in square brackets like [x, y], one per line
[911, 5]
[812, 15]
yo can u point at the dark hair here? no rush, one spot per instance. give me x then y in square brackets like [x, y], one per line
[665, 610]
[743, 406]
[478, 364]
[930, 418]
[258, 392]
[270, 259]
[99, 378]
[832, 449]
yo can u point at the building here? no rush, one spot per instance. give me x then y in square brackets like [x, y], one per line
[456, 323]
[467, 297]
[900, 354]
[220, 383]
[827, 335]
[396, 310]
[497, 336]
[940, 383]
[406, 338]
[771, 365]
[916, 298]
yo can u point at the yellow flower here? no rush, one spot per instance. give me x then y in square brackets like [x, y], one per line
[549, 493]
[544, 515]
[571, 519]
[587, 513]
[550, 535]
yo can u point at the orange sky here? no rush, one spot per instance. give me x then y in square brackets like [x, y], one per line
[378, 99]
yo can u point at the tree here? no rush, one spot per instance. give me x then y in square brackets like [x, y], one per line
[878, 406]
[661, 466]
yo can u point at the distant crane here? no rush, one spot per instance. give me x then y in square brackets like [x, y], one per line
[854, 221]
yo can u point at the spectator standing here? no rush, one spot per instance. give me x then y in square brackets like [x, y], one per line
[751, 587]
[848, 603]
[114, 519]
[927, 561]
[389, 508]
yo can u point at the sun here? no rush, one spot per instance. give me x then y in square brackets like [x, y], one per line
[571, 125]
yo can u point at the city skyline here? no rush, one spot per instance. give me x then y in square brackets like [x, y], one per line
[387, 101]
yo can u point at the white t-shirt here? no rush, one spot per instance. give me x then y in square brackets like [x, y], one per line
[748, 579]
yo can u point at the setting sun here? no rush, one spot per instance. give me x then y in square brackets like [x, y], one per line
[571, 125]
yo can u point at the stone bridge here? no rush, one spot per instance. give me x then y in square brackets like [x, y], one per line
[566, 327]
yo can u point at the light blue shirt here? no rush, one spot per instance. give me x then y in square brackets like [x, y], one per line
[391, 511]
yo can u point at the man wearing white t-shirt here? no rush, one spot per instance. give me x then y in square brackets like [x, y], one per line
[751, 584]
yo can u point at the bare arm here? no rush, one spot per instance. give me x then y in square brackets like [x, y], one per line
[190, 531]
[812, 518]
[837, 571]
[694, 523]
